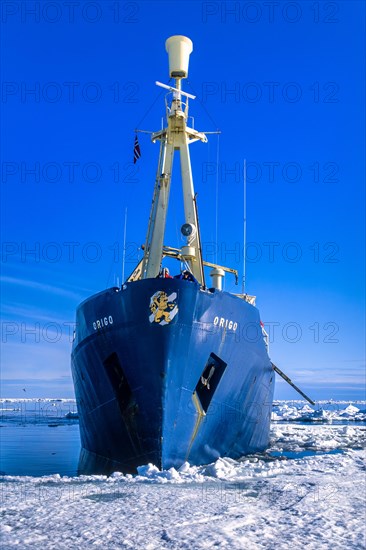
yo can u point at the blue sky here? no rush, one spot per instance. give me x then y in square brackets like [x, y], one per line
[282, 81]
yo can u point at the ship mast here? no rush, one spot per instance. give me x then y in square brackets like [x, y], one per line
[176, 136]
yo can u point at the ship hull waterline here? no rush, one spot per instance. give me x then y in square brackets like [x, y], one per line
[166, 372]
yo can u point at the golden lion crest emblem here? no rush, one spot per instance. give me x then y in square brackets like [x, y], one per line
[163, 307]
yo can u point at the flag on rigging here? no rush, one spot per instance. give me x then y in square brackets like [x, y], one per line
[136, 150]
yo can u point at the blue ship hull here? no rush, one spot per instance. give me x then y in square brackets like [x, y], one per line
[169, 378]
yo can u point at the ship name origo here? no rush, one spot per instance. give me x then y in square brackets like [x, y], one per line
[225, 323]
[218, 321]
[105, 321]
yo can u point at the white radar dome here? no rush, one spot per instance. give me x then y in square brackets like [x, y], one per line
[178, 48]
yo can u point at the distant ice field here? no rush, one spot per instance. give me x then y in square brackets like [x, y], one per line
[41, 436]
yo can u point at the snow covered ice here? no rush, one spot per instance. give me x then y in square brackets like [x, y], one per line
[306, 491]
[314, 502]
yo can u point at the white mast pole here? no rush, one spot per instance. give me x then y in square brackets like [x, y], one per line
[124, 247]
[244, 226]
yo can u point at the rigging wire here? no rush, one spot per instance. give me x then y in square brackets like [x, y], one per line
[152, 105]
[202, 105]
[217, 164]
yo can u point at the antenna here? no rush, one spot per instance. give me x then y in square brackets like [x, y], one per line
[244, 225]
[217, 198]
[124, 247]
[172, 89]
